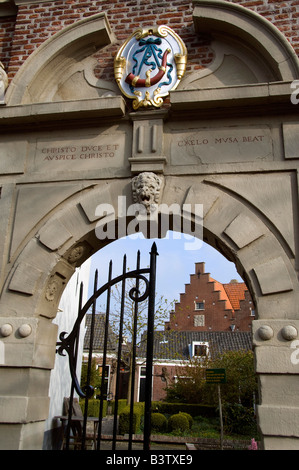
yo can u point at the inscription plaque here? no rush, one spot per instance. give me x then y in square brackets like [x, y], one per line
[225, 145]
[81, 153]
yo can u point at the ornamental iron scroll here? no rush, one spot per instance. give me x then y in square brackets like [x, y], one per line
[69, 343]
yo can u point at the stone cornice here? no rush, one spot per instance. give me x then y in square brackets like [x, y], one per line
[108, 107]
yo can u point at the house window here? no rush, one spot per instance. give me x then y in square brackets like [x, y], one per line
[252, 314]
[199, 305]
[200, 349]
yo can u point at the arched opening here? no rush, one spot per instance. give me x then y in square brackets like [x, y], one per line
[68, 237]
[177, 252]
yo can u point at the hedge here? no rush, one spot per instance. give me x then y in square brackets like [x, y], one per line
[93, 407]
[121, 405]
[157, 406]
[192, 409]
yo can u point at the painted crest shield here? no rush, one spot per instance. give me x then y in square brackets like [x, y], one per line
[149, 65]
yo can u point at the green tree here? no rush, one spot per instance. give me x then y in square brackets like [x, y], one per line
[190, 384]
[241, 386]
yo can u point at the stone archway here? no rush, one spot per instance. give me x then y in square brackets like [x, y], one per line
[229, 145]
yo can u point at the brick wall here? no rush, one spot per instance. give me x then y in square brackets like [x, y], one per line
[159, 385]
[20, 35]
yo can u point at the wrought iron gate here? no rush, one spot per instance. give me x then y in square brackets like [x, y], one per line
[69, 344]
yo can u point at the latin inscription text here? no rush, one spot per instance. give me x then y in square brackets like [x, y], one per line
[83, 152]
[221, 140]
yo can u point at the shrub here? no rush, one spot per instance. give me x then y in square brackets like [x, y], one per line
[124, 420]
[238, 419]
[158, 422]
[189, 418]
[178, 422]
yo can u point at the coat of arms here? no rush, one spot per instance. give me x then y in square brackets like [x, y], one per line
[149, 65]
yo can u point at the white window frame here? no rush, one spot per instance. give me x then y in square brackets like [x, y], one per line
[200, 343]
[198, 308]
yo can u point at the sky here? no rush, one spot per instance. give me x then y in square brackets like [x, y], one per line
[175, 263]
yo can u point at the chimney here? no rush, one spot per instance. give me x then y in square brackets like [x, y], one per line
[199, 268]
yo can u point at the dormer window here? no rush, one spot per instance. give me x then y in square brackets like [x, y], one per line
[199, 349]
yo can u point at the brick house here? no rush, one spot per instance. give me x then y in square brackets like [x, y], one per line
[208, 305]
[173, 350]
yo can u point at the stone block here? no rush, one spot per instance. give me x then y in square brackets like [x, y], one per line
[202, 194]
[91, 200]
[273, 276]
[6, 204]
[30, 344]
[54, 235]
[33, 203]
[26, 380]
[276, 360]
[291, 140]
[10, 436]
[276, 443]
[271, 194]
[243, 230]
[25, 278]
[13, 409]
[147, 145]
[19, 436]
[275, 332]
[16, 409]
[32, 436]
[279, 389]
[279, 420]
[13, 155]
